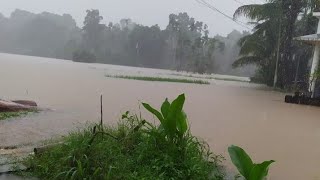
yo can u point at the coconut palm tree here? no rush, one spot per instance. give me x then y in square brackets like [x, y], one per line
[259, 48]
[274, 20]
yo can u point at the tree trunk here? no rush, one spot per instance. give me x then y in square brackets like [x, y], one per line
[291, 10]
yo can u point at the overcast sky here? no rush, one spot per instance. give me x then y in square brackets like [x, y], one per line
[146, 12]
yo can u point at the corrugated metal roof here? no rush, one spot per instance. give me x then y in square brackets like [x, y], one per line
[311, 39]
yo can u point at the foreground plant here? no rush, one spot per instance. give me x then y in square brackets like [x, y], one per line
[134, 149]
[172, 118]
[245, 166]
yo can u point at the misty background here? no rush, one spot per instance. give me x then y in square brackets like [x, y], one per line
[56, 29]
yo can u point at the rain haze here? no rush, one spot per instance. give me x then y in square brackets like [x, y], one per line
[147, 12]
[160, 89]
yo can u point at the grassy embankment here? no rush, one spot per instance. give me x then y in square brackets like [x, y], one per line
[210, 77]
[161, 79]
[134, 149]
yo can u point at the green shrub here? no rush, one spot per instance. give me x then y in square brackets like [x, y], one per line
[84, 56]
[134, 149]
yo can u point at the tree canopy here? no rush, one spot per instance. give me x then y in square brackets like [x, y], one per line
[276, 23]
[184, 45]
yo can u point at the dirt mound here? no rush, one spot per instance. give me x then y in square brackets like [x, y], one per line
[17, 105]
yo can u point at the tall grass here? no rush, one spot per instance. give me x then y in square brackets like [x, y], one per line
[134, 149]
[161, 79]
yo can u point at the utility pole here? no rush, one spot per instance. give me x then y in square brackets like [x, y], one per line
[297, 71]
[275, 79]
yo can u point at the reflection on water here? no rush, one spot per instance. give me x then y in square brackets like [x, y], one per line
[222, 113]
[13, 177]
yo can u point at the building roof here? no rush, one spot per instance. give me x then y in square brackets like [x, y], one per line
[310, 39]
[316, 14]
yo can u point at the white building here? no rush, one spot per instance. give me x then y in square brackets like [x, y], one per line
[313, 39]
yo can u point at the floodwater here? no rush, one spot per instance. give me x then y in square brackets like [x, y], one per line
[222, 113]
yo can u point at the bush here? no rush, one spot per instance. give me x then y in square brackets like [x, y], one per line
[84, 56]
[135, 149]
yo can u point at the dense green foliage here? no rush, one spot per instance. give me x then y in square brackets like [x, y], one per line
[134, 149]
[277, 21]
[161, 79]
[245, 166]
[84, 56]
[184, 45]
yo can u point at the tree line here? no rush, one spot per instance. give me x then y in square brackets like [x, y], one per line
[185, 44]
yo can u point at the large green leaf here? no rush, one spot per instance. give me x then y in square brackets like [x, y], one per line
[182, 124]
[153, 111]
[241, 160]
[174, 112]
[165, 108]
[260, 171]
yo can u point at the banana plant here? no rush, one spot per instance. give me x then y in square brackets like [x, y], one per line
[245, 166]
[173, 120]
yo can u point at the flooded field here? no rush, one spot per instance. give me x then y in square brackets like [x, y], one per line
[223, 113]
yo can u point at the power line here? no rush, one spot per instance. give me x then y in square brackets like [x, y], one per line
[262, 1]
[239, 2]
[205, 3]
[219, 11]
[254, 2]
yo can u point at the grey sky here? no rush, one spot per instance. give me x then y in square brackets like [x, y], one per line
[146, 12]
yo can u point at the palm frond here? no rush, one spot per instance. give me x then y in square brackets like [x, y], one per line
[257, 12]
[253, 44]
[245, 60]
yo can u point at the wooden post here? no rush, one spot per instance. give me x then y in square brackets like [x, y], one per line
[101, 111]
[275, 79]
[42, 149]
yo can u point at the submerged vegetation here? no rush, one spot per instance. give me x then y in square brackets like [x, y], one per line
[134, 149]
[7, 115]
[161, 79]
[211, 77]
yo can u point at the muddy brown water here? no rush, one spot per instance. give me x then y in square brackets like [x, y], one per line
[222, 113]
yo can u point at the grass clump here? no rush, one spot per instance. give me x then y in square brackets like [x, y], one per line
[7, 115]
[161, 79]
[134, 149]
